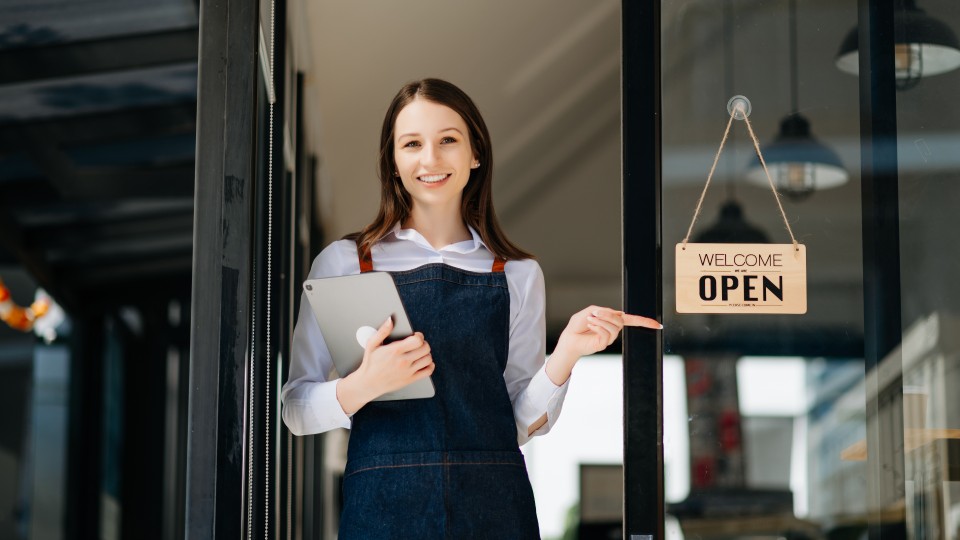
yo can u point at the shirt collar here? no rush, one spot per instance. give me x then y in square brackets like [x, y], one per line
[466, 246]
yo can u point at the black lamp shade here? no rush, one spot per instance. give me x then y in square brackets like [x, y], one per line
[732, 228]
[925, 45]
[798, 163]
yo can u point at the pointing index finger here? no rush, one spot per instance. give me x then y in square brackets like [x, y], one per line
[637, 320]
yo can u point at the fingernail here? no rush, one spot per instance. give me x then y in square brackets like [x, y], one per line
[661, 326]
[596, 314]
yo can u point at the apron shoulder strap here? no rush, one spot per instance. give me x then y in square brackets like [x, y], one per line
[366, 262]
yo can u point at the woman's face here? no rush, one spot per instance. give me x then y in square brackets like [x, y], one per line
[432, 153]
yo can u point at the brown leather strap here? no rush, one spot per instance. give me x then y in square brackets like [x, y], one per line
[366, 262]
[498, 265]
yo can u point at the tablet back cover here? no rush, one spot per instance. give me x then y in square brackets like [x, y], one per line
[344, 304]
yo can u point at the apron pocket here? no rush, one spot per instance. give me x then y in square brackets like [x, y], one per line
[437, 495]
[393, 497]
[489, 496]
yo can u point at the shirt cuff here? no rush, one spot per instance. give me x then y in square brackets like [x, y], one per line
[326, 407]
[540, 397]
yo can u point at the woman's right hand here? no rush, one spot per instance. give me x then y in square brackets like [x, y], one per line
[385, 368]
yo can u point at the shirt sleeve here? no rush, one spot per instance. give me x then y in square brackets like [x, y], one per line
[531, 391]
[309, 399]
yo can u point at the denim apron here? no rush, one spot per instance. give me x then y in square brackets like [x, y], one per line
[448, 466]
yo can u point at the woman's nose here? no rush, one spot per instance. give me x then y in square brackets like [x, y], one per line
[429, 155]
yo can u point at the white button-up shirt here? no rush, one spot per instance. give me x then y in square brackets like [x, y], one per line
[309, 398]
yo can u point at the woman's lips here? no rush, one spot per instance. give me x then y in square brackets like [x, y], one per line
[433, 179]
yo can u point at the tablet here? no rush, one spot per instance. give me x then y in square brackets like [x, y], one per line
[349, 309]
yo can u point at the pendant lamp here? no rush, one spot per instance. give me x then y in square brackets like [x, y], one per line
[798, 163]
[732, 228]
[924, 46]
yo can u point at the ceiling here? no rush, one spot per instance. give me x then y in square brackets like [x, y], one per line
[97, 142]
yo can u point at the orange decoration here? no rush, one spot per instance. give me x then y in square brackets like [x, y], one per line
[19, 318]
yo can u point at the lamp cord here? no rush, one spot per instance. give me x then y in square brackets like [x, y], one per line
[728, 75]
[794, 106]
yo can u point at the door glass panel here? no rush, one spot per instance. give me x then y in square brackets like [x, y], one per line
[772, 440]
[928, 132]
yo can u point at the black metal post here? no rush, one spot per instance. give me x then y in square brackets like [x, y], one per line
[642, 349]
[84, 458]
[145, 393]
[881, 251]
[221, 268]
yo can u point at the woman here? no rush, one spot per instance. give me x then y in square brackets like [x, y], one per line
[448, 466]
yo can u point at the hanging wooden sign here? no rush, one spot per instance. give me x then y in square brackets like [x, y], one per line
[741, 278]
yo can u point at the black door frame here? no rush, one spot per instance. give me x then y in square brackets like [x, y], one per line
[642, 282]
[880, 201]
[223, 253]
[248, 260]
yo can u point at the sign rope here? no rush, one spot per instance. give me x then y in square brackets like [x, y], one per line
[739, 112]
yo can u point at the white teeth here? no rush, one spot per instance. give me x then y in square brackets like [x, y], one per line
[430, 179]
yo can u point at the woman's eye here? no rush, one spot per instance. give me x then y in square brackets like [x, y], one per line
[412, 144]
[448, 140]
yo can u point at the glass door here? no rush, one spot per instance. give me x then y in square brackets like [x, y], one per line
[764, 414]
[838, 422]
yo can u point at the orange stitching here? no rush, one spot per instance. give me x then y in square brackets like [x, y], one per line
[432, 465]
[495, 285]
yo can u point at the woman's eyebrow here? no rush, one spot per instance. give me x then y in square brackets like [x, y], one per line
[441, 131]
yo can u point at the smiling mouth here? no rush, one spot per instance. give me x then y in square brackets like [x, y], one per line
[433, 178]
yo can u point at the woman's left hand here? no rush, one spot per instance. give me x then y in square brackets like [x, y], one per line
[593, 329]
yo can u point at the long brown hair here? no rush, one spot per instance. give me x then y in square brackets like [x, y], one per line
[476, 207]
